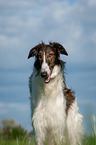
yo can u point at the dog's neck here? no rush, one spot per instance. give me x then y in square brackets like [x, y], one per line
[54, 87]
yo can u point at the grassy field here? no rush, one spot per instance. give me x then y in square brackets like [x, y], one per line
[89, 141]
[16, 135]
[18, 141]
[30, 141]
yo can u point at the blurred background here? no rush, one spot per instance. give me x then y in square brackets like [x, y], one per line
[24, 24]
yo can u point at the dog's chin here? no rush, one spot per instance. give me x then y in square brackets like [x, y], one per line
[47, 79]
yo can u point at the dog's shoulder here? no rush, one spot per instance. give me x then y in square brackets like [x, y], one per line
[69, 96]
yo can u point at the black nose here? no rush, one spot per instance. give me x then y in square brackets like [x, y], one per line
[43, 74]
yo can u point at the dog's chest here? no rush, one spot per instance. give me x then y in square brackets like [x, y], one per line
[50, 113]
[50, 108]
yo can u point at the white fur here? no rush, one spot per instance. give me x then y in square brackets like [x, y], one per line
[45, 67]
[48, 112]
[74, 125]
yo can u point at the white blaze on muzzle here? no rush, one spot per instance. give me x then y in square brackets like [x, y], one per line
[45, 68]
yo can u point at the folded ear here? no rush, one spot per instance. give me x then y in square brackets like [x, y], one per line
[33, 51]
[60, 48]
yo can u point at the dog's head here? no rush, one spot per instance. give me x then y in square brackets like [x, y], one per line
[47, 57]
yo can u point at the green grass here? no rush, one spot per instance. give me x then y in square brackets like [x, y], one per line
[89, 141]
[28, 141]
[15, 136]
[18, 141]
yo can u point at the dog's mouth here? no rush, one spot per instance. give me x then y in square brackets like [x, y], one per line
[47, 79]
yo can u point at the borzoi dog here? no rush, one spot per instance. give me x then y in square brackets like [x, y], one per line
[55, 116]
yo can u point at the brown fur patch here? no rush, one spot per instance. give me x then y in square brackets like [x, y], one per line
[52, 56]
[51, 59]
[70, 98]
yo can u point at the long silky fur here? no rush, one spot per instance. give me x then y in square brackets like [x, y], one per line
[54, 111]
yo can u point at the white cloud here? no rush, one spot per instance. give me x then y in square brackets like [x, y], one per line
[92, 2]
[26, 23]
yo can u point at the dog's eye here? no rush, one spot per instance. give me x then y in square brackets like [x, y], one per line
[50, 54]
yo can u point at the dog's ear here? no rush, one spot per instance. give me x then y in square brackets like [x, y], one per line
[33, 51]
[60, 48]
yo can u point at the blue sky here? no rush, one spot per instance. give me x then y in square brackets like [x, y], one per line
[25, 23]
